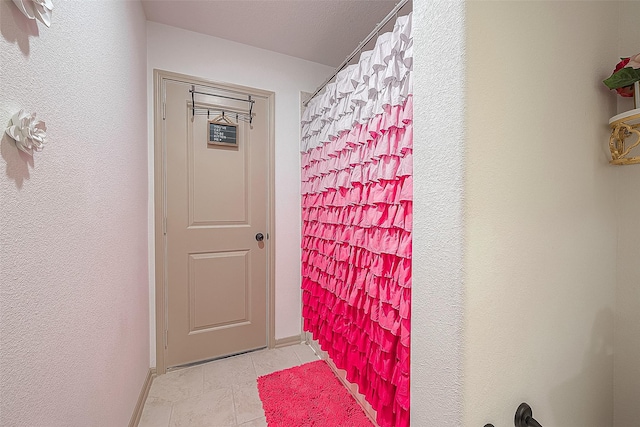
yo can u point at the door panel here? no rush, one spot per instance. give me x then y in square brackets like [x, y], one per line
[213, 306]
[218, 173]
[216, 202]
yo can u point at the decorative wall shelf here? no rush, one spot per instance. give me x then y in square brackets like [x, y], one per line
[625, 136]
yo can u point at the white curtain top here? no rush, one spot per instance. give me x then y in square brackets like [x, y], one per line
[381, 78]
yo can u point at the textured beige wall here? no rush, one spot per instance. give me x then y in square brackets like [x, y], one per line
[540, 213]
[73, 219]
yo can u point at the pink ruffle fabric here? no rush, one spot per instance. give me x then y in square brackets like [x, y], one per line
[357, 192]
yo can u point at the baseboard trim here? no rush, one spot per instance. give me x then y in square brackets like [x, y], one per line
[284, 342]
[342, 376]
[142, 398]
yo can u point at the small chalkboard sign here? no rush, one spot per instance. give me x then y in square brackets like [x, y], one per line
[223, 133]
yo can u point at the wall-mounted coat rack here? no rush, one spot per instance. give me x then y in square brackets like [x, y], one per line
[216, 112]
[210, 111]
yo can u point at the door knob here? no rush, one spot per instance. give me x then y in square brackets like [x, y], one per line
[259, 237]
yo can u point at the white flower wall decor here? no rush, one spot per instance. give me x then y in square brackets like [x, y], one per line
[28, 132]
[36, 9]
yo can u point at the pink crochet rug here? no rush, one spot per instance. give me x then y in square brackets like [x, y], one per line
[309, 395]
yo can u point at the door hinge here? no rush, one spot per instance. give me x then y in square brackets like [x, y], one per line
[164, 111]
[164, 226]
[166, 338]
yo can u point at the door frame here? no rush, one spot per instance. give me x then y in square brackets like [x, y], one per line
[159, 192]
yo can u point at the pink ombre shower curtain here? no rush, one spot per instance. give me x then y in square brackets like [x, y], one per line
[357, 218]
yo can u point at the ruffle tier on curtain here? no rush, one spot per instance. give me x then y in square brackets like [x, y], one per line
[357, 196]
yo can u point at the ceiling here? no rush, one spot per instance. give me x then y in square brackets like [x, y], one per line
[323, 31]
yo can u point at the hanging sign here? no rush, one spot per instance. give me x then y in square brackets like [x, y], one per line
[223, 133]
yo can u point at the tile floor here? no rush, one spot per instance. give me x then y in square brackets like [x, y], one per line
[222, 393]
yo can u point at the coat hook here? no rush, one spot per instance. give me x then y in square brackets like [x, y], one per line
[524, 417]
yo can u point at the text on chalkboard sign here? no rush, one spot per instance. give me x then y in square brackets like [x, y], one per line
[223, 133]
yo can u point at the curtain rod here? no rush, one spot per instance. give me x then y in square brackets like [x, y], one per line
[361, 46]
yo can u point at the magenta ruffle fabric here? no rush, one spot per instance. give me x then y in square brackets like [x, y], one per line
[357, 193]
[309, 395]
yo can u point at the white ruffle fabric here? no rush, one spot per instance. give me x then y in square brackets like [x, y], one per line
[381, 78]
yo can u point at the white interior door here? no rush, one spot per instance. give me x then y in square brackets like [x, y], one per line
[216, 207]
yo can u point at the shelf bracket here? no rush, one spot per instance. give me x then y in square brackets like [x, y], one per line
[623, 129]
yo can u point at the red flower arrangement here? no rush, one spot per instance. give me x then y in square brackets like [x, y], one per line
[626, 73]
